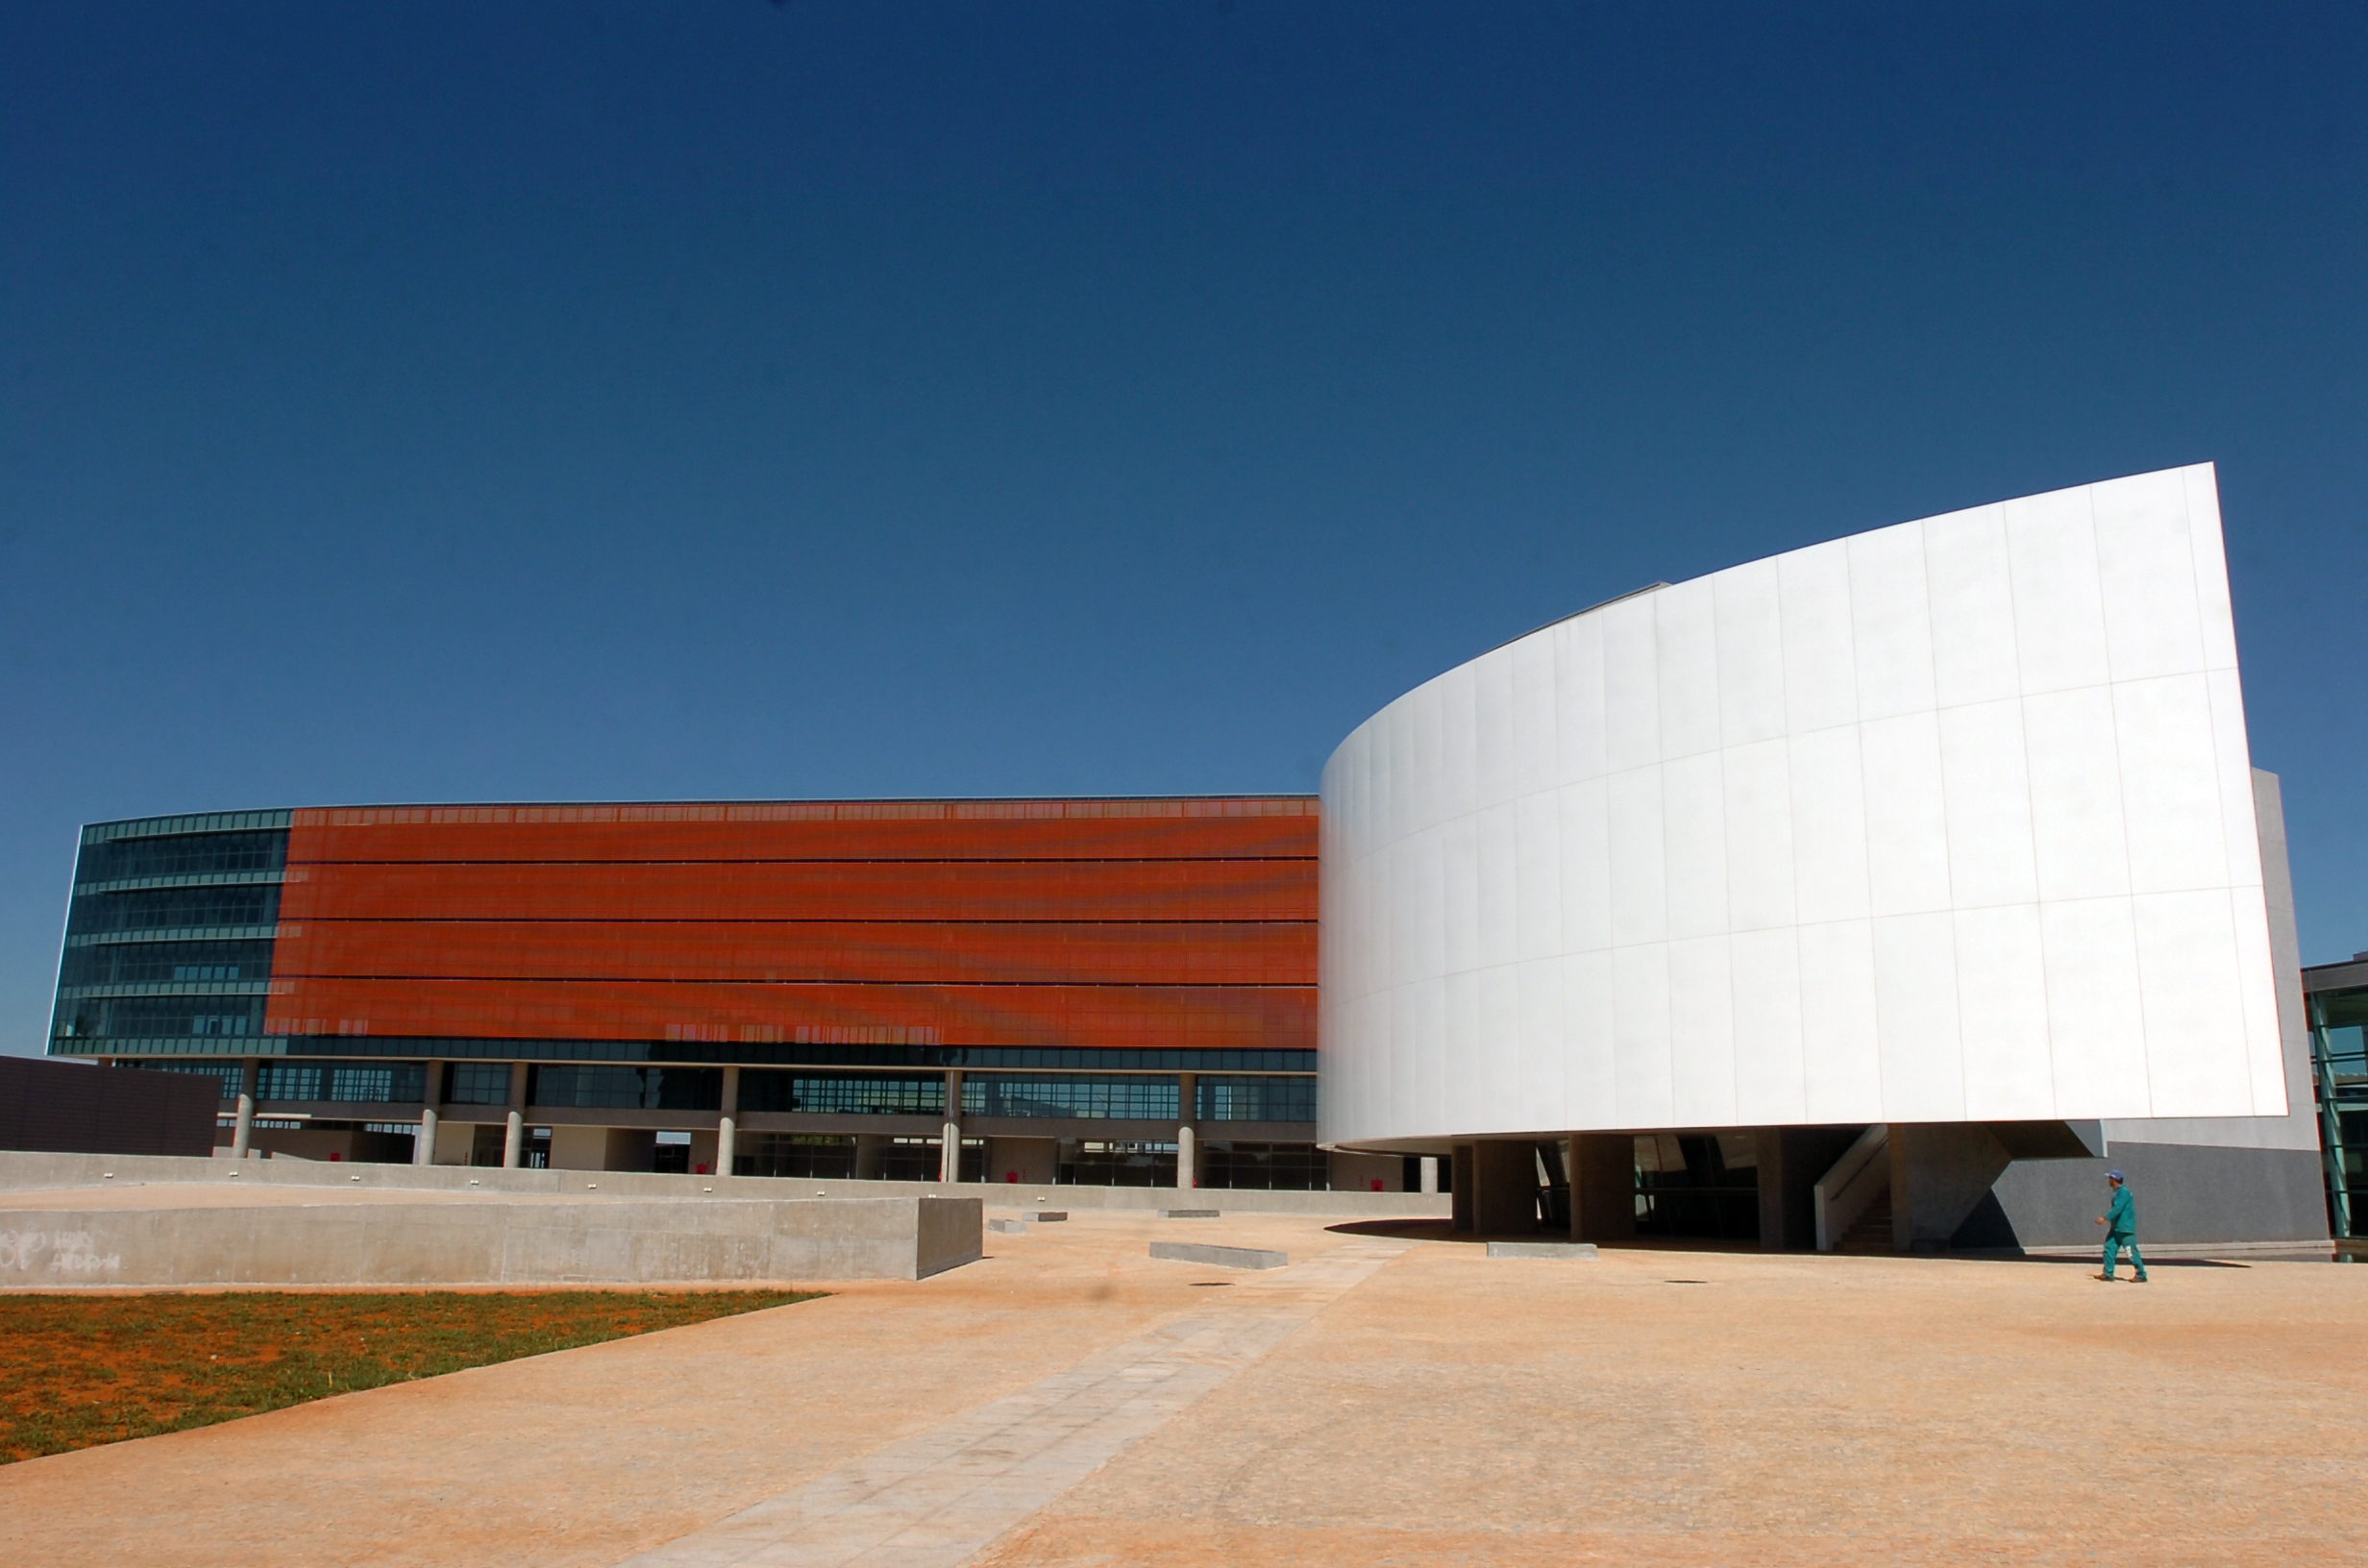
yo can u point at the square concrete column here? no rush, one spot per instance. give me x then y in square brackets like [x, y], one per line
[1430, 1173]
[1186, 1106]
[1504, 1199]
[1792, 1161]
[1603, 1187]
[430, 1099]
[1768, 1146]
[1940, 1173]
[728, 1126]
[949, 1145]
[242, 1135]
[513, 1138]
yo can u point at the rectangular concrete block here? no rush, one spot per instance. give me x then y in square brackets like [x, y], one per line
[1009, 1227]
[1197, 1252]
[1049, 1216]
[1188, 1213]
[1582, 1251]
[491, 1240]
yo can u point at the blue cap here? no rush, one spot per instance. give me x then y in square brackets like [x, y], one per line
[2116, 1176]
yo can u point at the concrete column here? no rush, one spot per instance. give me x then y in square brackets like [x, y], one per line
[1768, 1146]
[1187, 1105]
[950, 1145]
[1462, 1155]
[1792, 1161]
[728, 1129]
[1603, 1187]
[1940, 1173]
[515, 1136]
[1430, 1173]
[243, 1136]
[1504, 1188]
[431, 1096]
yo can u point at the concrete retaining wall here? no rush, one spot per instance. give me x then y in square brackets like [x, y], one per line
[20, 1172]
[490, 1243]
[495, 1241]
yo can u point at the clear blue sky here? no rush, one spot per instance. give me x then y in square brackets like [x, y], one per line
[746, 400]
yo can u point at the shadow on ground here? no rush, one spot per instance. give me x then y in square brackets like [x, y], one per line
[1444, 1231]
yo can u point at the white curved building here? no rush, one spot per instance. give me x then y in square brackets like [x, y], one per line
[1949, 823]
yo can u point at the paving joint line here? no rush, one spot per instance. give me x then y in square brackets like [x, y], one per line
[938, 1498]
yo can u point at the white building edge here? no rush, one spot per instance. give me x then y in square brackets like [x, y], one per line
[1940, 841]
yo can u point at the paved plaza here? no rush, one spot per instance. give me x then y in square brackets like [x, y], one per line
[1392, 1397]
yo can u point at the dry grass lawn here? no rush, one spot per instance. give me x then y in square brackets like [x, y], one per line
[82, 1370]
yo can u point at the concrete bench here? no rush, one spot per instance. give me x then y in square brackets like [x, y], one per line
[1582, 1251]
[1196, 1252]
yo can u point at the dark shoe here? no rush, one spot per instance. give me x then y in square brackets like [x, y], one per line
[2140, 1280]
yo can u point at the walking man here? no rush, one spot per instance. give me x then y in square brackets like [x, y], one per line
[2120, 1222]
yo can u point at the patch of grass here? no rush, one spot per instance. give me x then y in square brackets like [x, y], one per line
[76, 1371]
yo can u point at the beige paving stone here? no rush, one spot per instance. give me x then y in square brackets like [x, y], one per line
[589, 1456]
[1784, 1410]
[1449, 1409]
[934, 1500]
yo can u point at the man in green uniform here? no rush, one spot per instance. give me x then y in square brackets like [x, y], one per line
[2120, 1222]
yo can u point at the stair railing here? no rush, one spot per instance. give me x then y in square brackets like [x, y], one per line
[1843, 1192]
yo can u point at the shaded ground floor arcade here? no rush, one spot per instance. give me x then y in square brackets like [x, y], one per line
[1967, 1187]
[1225, 1130]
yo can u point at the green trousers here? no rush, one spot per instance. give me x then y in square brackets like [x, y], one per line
[2115, 1241]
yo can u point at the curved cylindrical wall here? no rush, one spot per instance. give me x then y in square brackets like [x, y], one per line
[1951, 820]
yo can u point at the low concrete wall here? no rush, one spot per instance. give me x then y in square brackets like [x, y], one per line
[20, 1172]
[492, 1242]
[2186, 1194]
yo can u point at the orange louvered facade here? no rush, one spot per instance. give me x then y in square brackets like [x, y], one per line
[1125, 925]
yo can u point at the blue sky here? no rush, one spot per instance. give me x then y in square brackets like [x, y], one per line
[752, 400]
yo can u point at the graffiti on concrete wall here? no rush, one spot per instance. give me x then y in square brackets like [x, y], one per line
[72, 1254]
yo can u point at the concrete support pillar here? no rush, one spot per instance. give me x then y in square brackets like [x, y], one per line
[727, 1128]
[1768, 1146]
[949, 1147]
[1504, 1199]
[1603, 1187]
[1940, 1171]
[243, 1135]
[430, 1099]
[1187, 1108]
[1430, 1173]
[514, 1137]
[1792, 1161]
[1462, 1156]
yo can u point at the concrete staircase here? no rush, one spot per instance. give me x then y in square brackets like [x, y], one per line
[1871, 1231]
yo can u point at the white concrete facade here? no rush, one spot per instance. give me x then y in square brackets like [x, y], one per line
[1948, 822]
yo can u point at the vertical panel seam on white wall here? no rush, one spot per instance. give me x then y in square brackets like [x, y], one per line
[2031, 808]
[2121, 783]
[2220, 801]
[1866, 847]
[1948, 857]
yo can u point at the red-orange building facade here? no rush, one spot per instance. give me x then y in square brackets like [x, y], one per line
[840, 981]
[1102, 925]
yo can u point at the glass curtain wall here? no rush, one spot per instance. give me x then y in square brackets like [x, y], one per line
[1698, 1184]
[170, 934]
[2339, 1067]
